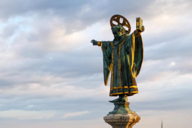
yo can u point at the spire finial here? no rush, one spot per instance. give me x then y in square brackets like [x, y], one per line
[161, 123]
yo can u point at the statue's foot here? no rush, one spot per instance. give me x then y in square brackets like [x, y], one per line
[115, 100]
[122, 98]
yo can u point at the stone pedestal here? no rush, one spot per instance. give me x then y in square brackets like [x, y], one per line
[122, 116]
[122, 120]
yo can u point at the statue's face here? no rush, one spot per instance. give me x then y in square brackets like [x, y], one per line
[118, 31]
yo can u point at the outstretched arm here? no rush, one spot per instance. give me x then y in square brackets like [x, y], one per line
[94, 42]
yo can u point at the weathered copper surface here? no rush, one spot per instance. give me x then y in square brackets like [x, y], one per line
[123, 57]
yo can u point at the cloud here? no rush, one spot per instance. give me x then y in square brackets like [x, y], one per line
[48, 64]
[26, 115]
[75, 114]
[172, 63]
[170, 118]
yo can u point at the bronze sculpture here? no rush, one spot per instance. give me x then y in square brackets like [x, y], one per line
[122, 57]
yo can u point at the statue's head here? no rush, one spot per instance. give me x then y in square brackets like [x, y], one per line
[118, 31]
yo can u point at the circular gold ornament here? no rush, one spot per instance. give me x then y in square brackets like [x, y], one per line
[124, 23]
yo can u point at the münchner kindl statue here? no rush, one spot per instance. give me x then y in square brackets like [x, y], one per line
[122, 57]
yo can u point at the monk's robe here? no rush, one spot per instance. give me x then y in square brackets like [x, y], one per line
[123, 59]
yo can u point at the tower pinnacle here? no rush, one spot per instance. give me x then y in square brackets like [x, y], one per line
[161, 123]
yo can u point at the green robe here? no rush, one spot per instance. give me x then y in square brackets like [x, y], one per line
[124, 61]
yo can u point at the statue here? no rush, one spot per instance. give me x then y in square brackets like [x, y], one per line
[122, 57]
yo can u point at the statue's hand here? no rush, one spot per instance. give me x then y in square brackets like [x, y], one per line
[138, 32]
[94, 42]
[143, 28]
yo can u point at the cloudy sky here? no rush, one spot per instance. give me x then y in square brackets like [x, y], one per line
[51, 75]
